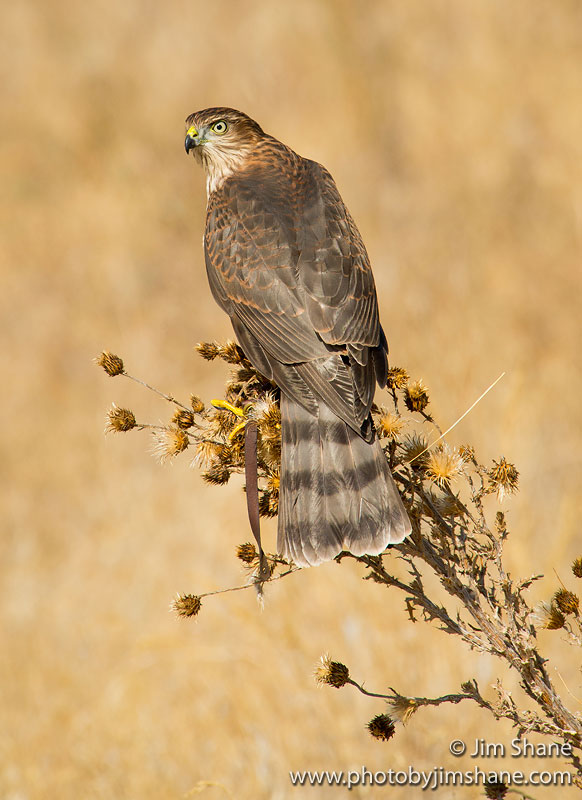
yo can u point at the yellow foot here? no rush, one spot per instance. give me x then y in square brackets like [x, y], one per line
[237, 429]
[239, 412]
[228, 406]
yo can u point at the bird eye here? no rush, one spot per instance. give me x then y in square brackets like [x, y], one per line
[220, 127]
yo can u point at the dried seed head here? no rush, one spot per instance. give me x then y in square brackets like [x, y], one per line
[331, 673]
[274, 481]
[416, 396]
[180, 442]
[577, 567]
[539, 615]
[381, 727]
[556, 619]
[169, 442]
[244, 374]
[234, 454]
[183, 419]
[234, 389]
[112, 364]
[207, 453]
[567, 602]
[269, 497]
[414, 447]
[208, 350]
[186, 605]
[467, 452]
[495, 790]
[548, 616]
[503, 478]
[266, 412]
[196, 403]
[223, 421]
[389, 425]
[247, 552]
[443, 465]
[269, 450]
[216, 475]
[231, 352]
[397, 378]
[402, 708]
[268, 504]
[448, 505]
[120, 419]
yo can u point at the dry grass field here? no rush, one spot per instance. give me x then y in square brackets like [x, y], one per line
[454, 131]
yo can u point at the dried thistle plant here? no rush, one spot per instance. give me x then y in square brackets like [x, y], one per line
[444, 490]
[332, 673]
[215, 434]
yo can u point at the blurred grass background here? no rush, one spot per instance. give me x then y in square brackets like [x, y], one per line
[454, 131]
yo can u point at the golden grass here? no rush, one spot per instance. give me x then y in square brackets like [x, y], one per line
[453, 131]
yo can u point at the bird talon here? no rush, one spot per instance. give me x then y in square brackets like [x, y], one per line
[239, 412]
[237, 429]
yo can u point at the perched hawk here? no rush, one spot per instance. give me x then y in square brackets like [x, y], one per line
[288, 265]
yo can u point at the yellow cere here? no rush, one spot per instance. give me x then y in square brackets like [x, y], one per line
[192, 131]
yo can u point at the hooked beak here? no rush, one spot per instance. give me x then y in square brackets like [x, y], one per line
[190, 143]
[193, 138]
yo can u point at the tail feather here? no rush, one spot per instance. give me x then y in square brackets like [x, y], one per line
[336, 490]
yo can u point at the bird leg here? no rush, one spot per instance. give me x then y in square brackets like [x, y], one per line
[239, 412]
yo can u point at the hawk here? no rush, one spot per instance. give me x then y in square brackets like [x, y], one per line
[286, 262]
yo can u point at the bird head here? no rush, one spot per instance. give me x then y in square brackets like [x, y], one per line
[220, 136]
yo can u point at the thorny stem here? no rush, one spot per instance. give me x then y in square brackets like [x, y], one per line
[526, 661]
[418, 702]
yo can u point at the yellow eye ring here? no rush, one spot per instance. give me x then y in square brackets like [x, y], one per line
[220, 127]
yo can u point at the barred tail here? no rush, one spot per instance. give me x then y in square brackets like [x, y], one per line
[336, 490]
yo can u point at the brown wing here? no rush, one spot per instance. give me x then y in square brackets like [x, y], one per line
[334, 267]
[286, 262]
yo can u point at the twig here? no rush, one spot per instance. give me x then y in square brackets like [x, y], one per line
[251, 585]
[167, 397]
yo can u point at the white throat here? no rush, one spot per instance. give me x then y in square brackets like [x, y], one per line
[220, 163]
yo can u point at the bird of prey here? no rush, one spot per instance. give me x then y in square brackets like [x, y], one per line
[286, 262]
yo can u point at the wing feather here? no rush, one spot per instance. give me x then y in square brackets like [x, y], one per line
[291, 270]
